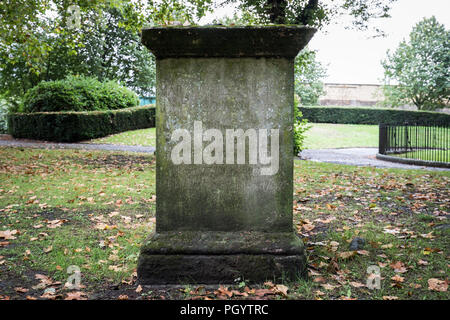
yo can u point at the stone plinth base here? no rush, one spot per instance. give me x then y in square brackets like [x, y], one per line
[220, 257]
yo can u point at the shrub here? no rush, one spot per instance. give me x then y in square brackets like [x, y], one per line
[77, 93]
[346, 115]
[72, 126]
[300, 127]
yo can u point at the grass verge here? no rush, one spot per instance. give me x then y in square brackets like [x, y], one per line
[60, 208]
[321, 135]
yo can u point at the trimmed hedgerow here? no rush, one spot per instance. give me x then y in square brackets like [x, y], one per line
[77, 93]
[72, 126]
[346, 115]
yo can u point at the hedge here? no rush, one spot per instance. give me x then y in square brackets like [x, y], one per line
[72, 126]
[346, 115]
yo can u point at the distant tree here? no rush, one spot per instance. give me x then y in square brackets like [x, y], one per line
[108, 48]
[316, 13]
[420, 68]
[38, 40]
[309, 74]
[48, 39]
[111, 51]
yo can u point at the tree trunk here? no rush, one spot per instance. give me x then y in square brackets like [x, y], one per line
[306, 17]
[277, 11]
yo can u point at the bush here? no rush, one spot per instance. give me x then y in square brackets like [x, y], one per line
[345, 115]
[300, 127]
[77, 94]
[76, 126]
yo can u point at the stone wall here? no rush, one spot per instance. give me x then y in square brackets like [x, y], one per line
[344, 94]
[351, 94]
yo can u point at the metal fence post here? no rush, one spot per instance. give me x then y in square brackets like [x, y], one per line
[382, 139]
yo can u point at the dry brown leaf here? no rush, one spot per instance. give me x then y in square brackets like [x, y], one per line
[263, 292]
[308, 227]
[422, 262]
[319, 279]
[398, 278]
[398, 267]
[333, 266]
[319, 293]
[224, 291]
[437, 285]
[249, 291]
[8, 234]
[357, 284]
[312, 272]
[76, 295]
[21, 290]
[282, 289]
[346, 254]
[47, 250]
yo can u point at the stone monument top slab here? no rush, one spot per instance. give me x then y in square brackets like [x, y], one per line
[220, 41]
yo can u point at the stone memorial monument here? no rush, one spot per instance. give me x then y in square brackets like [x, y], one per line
[224, 155]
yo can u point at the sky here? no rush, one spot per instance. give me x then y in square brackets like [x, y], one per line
[353, 56]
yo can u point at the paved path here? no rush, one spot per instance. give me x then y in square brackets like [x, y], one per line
[84, 146]
[357, 157]
[349, 156]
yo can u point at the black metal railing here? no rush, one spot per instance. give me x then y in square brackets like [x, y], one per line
[430, 142]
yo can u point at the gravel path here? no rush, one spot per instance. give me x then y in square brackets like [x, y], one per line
[357, 157]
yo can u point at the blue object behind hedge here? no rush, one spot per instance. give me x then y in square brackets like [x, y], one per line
[147, 100]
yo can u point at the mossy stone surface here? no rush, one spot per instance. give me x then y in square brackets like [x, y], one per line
[220, 41]
[217, 222]
[224, 93]
[208, 242]
[209, 258]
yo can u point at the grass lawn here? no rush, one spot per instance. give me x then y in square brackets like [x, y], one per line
[321, 135]
[93, 209]
[430, 155]
[328, 135]
[143, 137]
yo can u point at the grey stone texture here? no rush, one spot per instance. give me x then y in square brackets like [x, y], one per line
[217, 222]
